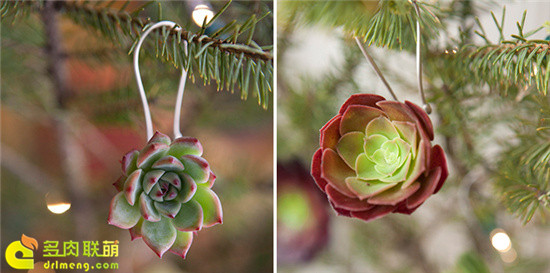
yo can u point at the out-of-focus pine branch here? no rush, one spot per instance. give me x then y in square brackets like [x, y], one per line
[523, 180]
[386, 23]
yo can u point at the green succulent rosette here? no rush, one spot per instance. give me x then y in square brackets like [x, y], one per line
[165, 194]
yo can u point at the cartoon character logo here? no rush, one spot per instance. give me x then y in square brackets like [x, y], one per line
[26, 246]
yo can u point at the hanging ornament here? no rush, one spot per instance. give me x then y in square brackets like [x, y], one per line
[165, 193]
[376, 155]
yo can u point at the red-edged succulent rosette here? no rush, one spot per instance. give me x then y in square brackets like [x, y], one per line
[302, 215]
[376, 157]
[165, 194]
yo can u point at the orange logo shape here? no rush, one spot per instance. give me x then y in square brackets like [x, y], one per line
[29, 242]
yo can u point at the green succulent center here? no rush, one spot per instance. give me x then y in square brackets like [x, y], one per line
[165, 189]
[381, 153]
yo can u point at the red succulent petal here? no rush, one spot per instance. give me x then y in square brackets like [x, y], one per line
[439, 160]
[374, 213]
[397, 111]
[335, 171]
[343, 202]
[426, 190]
[423, 118]
[341, 212]
[394, 195]
[361, 99]
[330, 133]
[402, 208]
[316, 170]
[357, 117]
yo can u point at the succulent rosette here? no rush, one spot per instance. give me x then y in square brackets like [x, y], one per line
[165, 194]
[376, 157]
[302, 215]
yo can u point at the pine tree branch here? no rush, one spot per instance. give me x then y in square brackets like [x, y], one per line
[130, 24]
[231, 64]
[508, 63]
[386, 23]
[515, 62]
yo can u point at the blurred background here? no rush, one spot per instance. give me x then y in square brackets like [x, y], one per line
[62, 138]
[493, 134]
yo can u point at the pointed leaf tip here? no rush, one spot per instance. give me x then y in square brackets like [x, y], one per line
[151, 153]
[159, 137]
[132, 186]
[185, 146]
[129, 162]
[148, 210]
[159, 236]
[182, 243]
[168, 163]
[190, 217]
[211, 206]
[122, 214]
[197, 167]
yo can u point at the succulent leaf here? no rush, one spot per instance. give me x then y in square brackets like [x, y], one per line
[335, 171]
[382, 126]
[151, 153]
[168, 163]
[211, 206]
[148, 210]
[151, 179]
[132, 186]
[188, 188]
[159, 137]
[196, 167]
[159, 236]
[394, 195]
[135, 231]
[129, 162]
[350, 147]
[169, 209]
[122, 214]
[356, 118]
[182, 243]
[365, 189]
[190, 217]
[173, 179]
[211, 180]
[185, 146]
[330, 133]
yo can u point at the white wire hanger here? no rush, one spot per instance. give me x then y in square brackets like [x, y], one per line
[369, 58]
[181, 86]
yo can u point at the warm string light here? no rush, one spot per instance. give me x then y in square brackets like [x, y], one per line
[501, 241]
[200, 13]
[59, 208]
[56, 203]
[503, 244]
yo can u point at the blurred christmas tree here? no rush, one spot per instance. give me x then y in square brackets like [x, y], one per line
[489, 92]
[70, 110]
